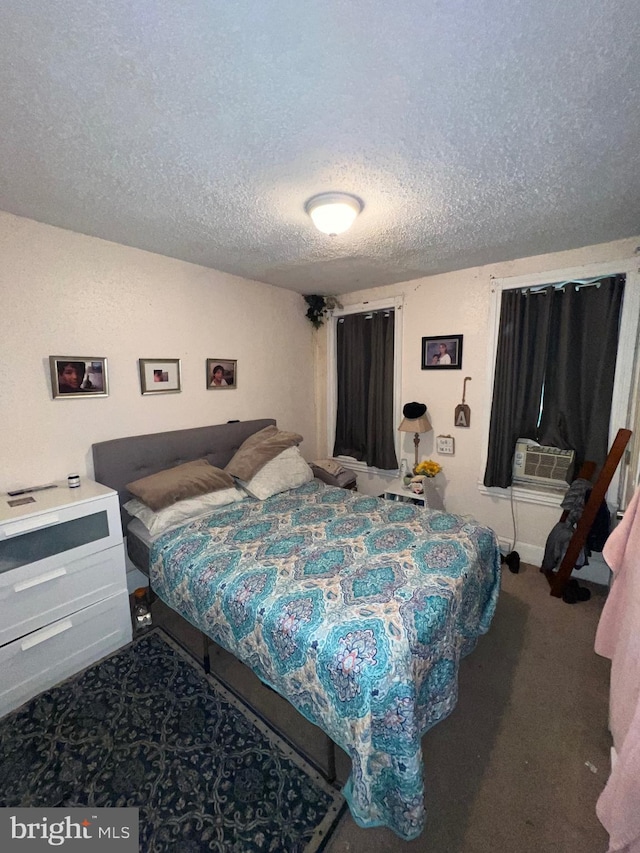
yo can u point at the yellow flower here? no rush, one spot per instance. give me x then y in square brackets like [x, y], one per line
[428, 468]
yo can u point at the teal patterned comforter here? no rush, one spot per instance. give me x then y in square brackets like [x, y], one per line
[354, 608]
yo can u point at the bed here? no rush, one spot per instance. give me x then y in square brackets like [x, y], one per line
[355, 609]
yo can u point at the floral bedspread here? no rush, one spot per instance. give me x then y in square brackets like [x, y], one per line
[354, 608]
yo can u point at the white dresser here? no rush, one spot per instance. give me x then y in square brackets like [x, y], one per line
[63, 589]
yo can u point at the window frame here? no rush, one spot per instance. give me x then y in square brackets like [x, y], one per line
[395, 303]
[623, 402]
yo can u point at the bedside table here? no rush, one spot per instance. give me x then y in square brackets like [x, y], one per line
[63, 589]
[431, 499]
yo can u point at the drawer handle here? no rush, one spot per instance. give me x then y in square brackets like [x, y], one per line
[25, 526]
[47, 576]
[46, 634]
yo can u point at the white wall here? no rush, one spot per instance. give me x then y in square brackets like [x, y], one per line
[458, 303]
[67, 294]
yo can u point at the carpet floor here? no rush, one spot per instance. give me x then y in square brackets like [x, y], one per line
[146, 727]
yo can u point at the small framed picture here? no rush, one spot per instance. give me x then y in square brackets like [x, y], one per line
[222, 373]
[442, 352]
[159, 375]
[78, 376]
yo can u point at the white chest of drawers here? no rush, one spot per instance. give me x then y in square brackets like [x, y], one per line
[63, 589]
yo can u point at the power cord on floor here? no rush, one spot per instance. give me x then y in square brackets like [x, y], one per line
[512, 559]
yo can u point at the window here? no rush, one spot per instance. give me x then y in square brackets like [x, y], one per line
[563, 358]
[364, 381]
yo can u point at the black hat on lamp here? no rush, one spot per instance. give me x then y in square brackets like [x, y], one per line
[415, 420]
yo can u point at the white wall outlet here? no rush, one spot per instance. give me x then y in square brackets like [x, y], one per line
[445, 444]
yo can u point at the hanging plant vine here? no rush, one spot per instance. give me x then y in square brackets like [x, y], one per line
[318, 306]
[316, 309]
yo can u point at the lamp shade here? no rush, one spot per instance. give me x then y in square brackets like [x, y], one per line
[421, 424]
[333, 213]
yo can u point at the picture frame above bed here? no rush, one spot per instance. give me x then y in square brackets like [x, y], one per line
[159, 375]
[78, 376]
[442, 352]
[222, 373]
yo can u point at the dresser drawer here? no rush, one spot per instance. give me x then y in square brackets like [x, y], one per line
[36, 662]
[55, 534]
[32, 596]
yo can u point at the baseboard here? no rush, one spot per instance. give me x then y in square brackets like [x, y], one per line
[596, 572]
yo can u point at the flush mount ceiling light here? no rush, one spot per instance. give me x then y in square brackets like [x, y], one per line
[333, 213]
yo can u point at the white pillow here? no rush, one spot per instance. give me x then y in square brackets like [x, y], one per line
[182, 512]
[286, 471]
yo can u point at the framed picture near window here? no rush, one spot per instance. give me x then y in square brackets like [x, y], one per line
[78, 376]
[222, 373]
[442, 352]
[159, 375]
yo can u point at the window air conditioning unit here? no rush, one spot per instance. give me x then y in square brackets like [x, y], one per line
[535, 463]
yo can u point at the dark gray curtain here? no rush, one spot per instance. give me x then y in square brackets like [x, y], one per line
[577, 398]
[364, 418]
[564, 341]
[520, 365]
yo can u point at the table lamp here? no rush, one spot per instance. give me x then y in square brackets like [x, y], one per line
[415, 420]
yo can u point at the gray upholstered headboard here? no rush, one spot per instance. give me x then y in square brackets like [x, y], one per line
[122, 460]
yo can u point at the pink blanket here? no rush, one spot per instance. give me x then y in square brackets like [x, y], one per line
[618, 638]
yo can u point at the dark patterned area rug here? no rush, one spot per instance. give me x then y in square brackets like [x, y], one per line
[146, 727]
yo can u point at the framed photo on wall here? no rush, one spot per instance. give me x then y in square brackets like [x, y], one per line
[442, 352]
[159, 375]
[222, 373]
[78, 376]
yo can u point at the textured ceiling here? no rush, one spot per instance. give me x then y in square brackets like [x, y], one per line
[473, 130]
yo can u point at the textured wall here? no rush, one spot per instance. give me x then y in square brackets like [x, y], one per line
[67, 294]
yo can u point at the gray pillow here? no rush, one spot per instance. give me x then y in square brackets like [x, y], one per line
[342, 478]
[176, 484]
[260, 448]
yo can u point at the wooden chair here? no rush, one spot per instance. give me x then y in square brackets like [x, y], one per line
[558, 580]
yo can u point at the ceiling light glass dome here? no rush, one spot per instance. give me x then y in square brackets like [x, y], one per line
[333, 213]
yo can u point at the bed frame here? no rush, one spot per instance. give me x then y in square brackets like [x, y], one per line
[122, 460]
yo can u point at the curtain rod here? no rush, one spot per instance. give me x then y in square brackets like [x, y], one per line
[560, 285]
[369, 314]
